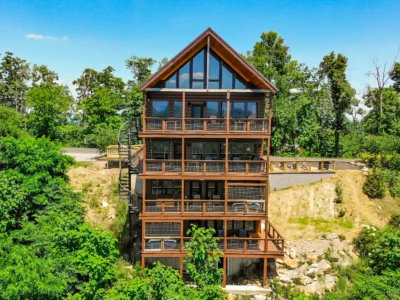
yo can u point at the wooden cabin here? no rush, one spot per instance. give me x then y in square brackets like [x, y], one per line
[206, 135]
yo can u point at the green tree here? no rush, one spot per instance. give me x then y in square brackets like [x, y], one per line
[42, 75]
[49, 109]
[395, 76]
[387, 121]
[333, 68]
[14, 75]
[202, 255]
[11, 123]
[374, 187]
[140, 68]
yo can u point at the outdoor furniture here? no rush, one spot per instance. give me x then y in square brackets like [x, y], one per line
[216, 197]
[196, 197]
[171, 244]
[154, 244]
[243, 233]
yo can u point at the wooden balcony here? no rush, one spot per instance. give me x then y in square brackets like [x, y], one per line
[268, 242]
[154, 126]
[195, 207]
[205, 167]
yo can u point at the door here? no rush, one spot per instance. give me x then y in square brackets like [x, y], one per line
[197, 112]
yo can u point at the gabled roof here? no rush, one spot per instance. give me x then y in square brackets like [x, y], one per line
[220, 47]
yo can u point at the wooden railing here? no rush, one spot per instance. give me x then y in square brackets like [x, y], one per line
[302, 166]
[235, 167]
[231, 244]
[174, 206]
[275, 240]
[209, 125]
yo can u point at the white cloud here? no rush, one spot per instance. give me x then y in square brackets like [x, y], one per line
[46, 37]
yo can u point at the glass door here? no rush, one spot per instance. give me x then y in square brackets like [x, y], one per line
[197, 112]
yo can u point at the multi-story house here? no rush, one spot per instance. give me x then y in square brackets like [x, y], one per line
[206, 131]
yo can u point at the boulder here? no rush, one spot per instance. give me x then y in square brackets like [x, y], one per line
[291, 263]
[285, 279]
[312, 272]
[330, 282]
[305, 280]
[324, 266]
[313, 259]
[292, 253]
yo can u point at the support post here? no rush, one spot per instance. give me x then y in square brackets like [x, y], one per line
[142, 262]
[183, 113]
[228, 110]
[181, 266]
[224, 277]
[264, 282]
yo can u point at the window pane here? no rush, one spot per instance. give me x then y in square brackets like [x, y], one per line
[214, 67]
[211, 151]
[239, 83]
[252, 109]
[238, 110]
[212, 108]
[184, 76]
[160, 108]
[213, 84]
[171, 82]
[227, 78]
[198, 65]
[178, 109]
[223, 109]
[198, 85]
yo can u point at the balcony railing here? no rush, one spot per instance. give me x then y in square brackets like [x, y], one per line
[173, 206]
[304, 166]
[232, 244]
[235, 167]
[206, 125]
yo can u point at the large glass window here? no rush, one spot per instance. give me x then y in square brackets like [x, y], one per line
[238, 109]
[160, 108]
[178, 109]
[193, 74]
[239, 83]
[223, 109]
[159, 150]
[212, 151]
[184, 77]
[252, 109]
[227, 78]
[198, 66]
[166, 188]
[197, 150]
[171, 82]
[214, 68]
[212, 108]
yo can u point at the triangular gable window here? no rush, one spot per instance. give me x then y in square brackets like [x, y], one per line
[193, 75]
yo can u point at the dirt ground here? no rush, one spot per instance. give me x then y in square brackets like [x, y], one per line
[308, 211]
[100, 191]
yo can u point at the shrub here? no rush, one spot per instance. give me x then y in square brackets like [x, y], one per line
[341, 213]
[339, 192]
[342, 237]
[374, 187]
[395, 221]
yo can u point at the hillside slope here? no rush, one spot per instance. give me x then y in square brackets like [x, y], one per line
[308, 211]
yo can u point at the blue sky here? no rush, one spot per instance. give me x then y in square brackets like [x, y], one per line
[69, 36]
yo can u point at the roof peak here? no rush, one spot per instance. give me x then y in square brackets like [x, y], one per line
[223, 49]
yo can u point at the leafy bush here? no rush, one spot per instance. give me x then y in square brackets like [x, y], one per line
[339, 192]
[374, 187]
[395, 221]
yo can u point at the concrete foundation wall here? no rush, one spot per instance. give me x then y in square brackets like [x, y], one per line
[281, 181]
[233, 264]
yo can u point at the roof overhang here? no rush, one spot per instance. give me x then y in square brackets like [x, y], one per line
[220, 47]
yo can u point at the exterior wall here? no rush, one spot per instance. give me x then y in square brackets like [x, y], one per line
[280, 181]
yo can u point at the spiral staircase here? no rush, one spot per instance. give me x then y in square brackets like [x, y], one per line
[130, 153]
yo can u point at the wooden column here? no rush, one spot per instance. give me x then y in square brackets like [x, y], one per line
[226, 155]
[183, 113]
[144, 155]
[226, 198]
[225, 234]
[224, 277]
[182, 197]
[183, 156]
[144, 196]
[228, 110]
[265, 274]
[142, 262]
[181, 266]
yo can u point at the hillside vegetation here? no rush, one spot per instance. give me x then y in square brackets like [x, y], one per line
[308, 211]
